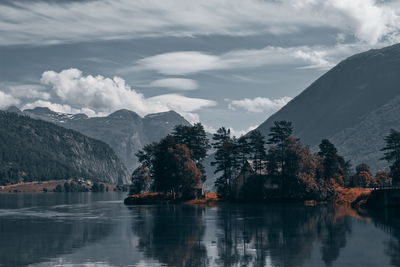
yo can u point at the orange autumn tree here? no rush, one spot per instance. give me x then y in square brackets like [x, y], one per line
[172, 168]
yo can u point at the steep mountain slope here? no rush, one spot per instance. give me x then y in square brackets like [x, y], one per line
[124, 130]
[353, 104]
[33, 150]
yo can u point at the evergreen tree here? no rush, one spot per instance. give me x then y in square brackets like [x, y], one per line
[392, 154]
[224, 161]
[257, 148]
[278, 141]
[244, 149]
[331, 161]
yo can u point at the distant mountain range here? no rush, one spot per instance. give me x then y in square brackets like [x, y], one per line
[355, 104]
[124, 130]
[35, 150]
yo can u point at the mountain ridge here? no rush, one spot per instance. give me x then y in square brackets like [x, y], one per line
[343, 98]
[123, 130]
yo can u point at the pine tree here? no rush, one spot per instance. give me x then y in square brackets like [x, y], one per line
[257, 148]
[224, 162]
[244, 149]
[278, 139]
[331, 162]
[392, 154]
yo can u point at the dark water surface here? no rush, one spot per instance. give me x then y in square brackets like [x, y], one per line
[89, 229]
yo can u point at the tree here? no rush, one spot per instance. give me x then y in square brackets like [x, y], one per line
[362, 168]
[280, 132]
[141, 180]
[257, 149]
[146, 155]
[224, 161]
[174, 169]
[195, 138]
[244, 149]
[334, 166]
[392, 154]
[278, 137]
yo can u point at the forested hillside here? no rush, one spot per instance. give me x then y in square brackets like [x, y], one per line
[35, 150]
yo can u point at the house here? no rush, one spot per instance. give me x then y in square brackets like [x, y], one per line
[247, 172]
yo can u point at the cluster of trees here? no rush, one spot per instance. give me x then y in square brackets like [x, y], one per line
[391, 152]
[281, 159]
[173, 165]
[297, 172]
[70, 187]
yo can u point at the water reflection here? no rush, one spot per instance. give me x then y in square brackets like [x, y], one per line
[172, 234]
[389, 221]
[277, 235]
[48, 230]
[32, 234]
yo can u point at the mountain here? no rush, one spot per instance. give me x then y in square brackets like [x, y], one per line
[32, 150]
[124, 130]
[355, 104]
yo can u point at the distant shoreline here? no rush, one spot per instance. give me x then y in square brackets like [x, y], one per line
[37, 187]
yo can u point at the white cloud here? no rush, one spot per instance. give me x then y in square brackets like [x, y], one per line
[239, 133]
[260, 104]
[32, 91]
[179, 102]
[183, 62]
[62, 108]
[189, 62]
[41, 23]
[98, 95]
[7, 100]
[175, 83]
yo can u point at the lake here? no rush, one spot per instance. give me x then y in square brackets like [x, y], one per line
[96, 229]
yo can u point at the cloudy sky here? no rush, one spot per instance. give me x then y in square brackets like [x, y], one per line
[223, 62]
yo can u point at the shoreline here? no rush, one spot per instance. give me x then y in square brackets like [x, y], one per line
[344, 197]
[38, 187]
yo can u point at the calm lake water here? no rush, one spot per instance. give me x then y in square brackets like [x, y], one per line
[89, 229]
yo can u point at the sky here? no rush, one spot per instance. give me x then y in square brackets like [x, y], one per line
[226, 63]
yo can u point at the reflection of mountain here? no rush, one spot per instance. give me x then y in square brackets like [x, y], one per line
[34, 240]
[172, 235]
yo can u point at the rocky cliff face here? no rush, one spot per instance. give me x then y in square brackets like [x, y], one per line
[34, 150]
[124, 130]
[355, 104]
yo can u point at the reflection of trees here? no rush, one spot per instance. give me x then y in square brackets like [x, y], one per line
[334, 237]
[281, 235]
[389, 220]
[172, 235]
